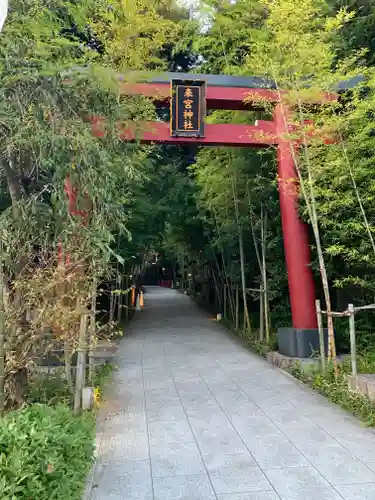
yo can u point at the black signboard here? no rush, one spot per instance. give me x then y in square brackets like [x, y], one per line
[188, 108]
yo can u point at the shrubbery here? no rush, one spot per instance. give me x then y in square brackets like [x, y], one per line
[45, 453]
[337, 390]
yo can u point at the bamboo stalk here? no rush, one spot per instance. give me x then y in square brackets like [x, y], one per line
[225, 301]
[111, 304]
[364, 308]
[182, 269]
[237, 307]
[264, 274]
[256, 247]
[2, 335]
[68, 365]
[127, 301]
[353, 348]
[225, 274]
[92, 329]
[119, 301]
[313, 215]
[217, 292]
[241, 249]
[321, 335]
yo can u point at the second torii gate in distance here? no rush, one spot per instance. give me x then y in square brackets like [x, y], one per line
[244, 93]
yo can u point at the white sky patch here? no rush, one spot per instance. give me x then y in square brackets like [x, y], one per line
[198, 11]
[3, 12]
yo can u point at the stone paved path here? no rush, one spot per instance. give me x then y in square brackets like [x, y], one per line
[192, 415]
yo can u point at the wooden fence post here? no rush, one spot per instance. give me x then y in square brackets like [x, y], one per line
[261, 314]
[353, 349]
[321, 335]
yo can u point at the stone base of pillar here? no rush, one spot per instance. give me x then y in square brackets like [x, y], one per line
[300, 342]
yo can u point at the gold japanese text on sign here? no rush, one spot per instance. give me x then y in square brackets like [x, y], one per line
[188, 108]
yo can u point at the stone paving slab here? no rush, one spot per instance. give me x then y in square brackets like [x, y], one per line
[191, 414]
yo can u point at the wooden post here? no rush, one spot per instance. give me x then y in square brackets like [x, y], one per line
[81, 363]
[225, 302]
[127, 301]
[321, 334]
[237, 307]
[261, 314]
[353, 349]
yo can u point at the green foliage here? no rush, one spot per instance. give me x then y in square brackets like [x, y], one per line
[45, 453]
[49, 389]
[60, 68]
[235, 27]
[102, 374]
[137, 35]
[262, 347]
[52, 388]
[359, 33]
[337, 390]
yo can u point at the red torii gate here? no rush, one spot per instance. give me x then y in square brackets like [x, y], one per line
[247, 93]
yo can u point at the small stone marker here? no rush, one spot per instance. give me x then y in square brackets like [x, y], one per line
[87, 398]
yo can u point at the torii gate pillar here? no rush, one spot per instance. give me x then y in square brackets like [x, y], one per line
[297, 251]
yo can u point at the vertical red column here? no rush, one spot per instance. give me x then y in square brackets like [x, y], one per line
[296, 243]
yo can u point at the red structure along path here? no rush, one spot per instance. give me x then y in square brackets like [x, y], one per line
[244, 93]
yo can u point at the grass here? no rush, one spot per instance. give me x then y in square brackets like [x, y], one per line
[337, 390]
[260, 346]
[52, 389]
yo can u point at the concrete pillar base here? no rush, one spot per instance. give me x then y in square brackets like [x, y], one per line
[300, 342]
